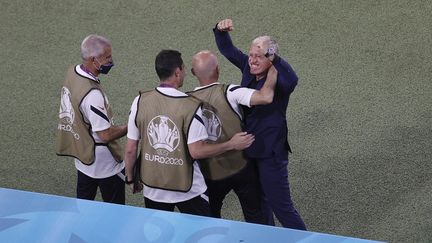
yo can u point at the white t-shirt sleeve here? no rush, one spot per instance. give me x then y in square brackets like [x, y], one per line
[133, 132]
[94, 111]
[197, 130]
[239, 95]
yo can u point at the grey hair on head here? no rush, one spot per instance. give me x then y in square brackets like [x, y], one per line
[93, 46]
[267, 43]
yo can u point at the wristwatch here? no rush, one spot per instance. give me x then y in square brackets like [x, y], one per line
[127, 181]
[270, 52]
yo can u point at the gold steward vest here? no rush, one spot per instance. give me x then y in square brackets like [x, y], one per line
[164, 122]
[222, 122]
[73, 133]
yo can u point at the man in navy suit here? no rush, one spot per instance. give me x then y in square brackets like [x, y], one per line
[267, 122]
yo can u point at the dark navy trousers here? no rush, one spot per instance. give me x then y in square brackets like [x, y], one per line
[273, 174]
[246, 186]
[112, 188]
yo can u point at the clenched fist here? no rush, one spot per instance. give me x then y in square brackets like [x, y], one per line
[225, 25]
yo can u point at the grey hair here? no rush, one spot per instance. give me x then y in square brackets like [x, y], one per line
[93, 46]
[266, 42]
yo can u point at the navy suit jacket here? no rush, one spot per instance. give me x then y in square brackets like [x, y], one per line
[267, 122]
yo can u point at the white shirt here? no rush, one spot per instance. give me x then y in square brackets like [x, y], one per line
[196, 133]
[104, 165]
[236, 96]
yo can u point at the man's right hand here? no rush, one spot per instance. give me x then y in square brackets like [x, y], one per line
[136, 187]
[225, 25]
[242, 140]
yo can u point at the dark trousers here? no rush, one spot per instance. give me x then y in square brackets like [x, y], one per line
[273, 174]
[196, 206]
[246, 186]
[112, 188]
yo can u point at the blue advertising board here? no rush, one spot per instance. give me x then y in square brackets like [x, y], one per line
[34, 217]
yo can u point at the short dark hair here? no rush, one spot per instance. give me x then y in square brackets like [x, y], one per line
[166, 63]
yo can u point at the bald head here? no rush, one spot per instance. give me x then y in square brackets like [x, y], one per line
[205, 67]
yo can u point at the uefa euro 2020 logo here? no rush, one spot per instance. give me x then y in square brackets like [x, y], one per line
[67, 113]
[163, 134]
[212, 124]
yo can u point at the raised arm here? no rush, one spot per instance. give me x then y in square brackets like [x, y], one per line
[226, 46]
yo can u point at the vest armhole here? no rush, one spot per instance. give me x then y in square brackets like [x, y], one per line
[225, 94]
[70, 155]
[137, 109]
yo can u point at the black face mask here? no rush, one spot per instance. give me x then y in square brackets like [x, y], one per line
[104, 69]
